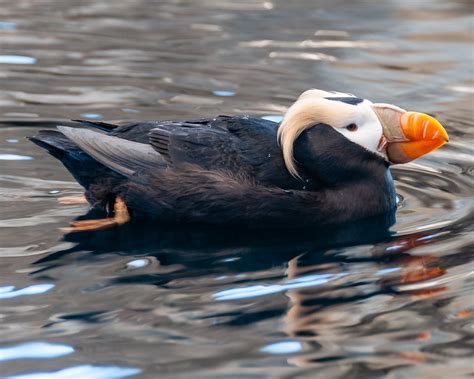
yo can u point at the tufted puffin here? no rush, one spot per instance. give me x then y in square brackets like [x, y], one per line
[326, 163]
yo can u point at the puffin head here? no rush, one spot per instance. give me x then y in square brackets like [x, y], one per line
[338, 126]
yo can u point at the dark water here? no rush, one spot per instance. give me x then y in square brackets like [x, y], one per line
[355, 302]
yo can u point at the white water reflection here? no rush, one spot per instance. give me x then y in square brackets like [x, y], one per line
[15, 157]
[9, 292]
[82, 372]
[137, 263]
[34, 350]
[284, 347]
[264, 290]
[16, 59]
[462, 89]
[310, 44]
[95, 116]
[331, 33]
[224, 93]
[305, 56]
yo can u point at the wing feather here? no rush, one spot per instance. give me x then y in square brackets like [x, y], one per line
[123, 156]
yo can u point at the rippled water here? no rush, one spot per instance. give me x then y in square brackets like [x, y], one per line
[353, 302]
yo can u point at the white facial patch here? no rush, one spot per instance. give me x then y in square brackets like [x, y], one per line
[368, 131]
[321, 107]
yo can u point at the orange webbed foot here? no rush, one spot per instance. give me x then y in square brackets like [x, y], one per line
[121, 216]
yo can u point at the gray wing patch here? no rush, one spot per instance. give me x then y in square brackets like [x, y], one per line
[122, 156]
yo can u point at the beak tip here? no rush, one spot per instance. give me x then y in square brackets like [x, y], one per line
[423, 134]
[444, 133]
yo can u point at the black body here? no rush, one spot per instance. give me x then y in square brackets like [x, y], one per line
[224, 171]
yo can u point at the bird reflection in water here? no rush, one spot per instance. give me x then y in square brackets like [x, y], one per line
[315, 315]
[191, 244]
[372, 272]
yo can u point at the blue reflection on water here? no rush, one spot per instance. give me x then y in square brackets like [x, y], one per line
[284, 347]
[9, 292]
[34, 350]
[227, 260]
[94, 116]
[7, 25]
[263, 290]
[130, 110]
[224, 93]
[388, 270]
[430, 236]
[82, 372]
[274, 118]
[15, 157]
[17, 59]
[393, 247]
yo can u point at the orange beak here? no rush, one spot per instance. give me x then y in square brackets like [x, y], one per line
[417, 134]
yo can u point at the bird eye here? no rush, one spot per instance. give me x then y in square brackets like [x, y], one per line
[352, 127]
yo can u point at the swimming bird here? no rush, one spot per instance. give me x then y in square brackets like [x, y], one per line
[326, 163]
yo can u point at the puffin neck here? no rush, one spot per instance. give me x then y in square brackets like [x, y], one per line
[323, 153]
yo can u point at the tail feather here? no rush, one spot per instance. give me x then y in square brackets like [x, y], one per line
[82, 167]
[56, 143]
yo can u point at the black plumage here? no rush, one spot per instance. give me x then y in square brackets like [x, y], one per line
[225, 170]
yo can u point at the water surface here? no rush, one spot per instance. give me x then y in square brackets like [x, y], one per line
[390, 298]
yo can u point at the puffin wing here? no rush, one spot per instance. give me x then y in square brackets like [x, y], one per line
[210, 149]
[120, 155]
[138, 131]
[237, 144]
